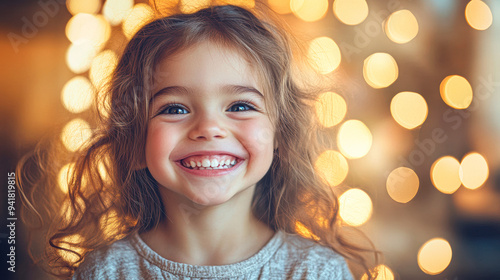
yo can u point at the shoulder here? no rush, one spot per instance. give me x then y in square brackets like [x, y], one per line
[304, 259]
[108, 262]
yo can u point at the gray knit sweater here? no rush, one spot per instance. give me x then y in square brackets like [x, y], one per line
[285, 256]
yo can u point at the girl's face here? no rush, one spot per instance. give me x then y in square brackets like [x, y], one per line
[208, 111]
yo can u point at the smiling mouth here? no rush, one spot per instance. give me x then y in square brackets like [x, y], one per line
[209, 162]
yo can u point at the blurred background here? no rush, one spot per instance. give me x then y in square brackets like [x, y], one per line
[416, 113]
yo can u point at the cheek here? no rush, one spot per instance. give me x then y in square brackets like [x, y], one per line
[159, 144]
[259, 137]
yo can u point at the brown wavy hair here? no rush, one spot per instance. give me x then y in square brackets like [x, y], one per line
[110, 196]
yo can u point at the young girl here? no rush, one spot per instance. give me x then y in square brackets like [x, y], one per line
[204, 164]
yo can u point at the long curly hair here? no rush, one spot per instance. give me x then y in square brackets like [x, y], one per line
[110, 195]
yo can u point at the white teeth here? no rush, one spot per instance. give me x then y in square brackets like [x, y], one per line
[207, 164]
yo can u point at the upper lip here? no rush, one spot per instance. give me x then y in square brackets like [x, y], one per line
[208, 153]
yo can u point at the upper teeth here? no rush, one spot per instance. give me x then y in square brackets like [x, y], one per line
[209, 162]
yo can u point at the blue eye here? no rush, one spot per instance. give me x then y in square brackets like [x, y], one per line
[241, 106]
[173, 109]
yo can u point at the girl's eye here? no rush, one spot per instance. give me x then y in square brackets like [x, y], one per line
[173, 110]
[241, 106]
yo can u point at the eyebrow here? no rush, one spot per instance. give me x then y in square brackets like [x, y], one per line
[235, 89]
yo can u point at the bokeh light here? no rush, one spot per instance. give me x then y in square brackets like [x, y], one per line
[87, 6]
[64, 175]
[434, 256]
[71, 242]
[330, 109]
[382, 271]
[354, 139]
[304, 231]
[355, 207]
[380, 70]
[409, 109]
[445, 174]
[456, 92]
[478, 15]
[247, 4]
[192, 6]
[102, 67]
[332, 166]
[401, 26]
[77, 94]
[75, 134]
[110, 224]
[310, 10]
[79, 57]
[280, 6]
[402, 184]
[88, 29]
[350, 12]
[473, 171]
[115, 11]
[140, 15]
[324, 54]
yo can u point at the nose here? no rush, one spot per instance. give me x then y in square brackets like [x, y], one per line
[207, 128]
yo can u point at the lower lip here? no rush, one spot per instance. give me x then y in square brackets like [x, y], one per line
[210, 172]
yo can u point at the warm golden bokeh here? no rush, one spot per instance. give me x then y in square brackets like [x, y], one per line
[87, 6]
[102, 67]
[71, 242]
[79, 57]
[478, 15]
[382, 271]
[401, 26]
[88, 29]
[77, 94]
[310, 10]
[456, 91]
[324, 54]
[330, 109]
[434, 256]
[409, 109]
[354, 139]
[304, 232]
[247, 4]
[280, 6]
[192, 6]
[115, 11]
[140, 15]
[380, 70]
[445, 174]
[355, 207]
[75, 134]
[474, 171]
[64, 175]
[332, 166]
[350, 12]
[402, 184]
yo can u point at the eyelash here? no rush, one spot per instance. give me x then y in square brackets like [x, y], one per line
[177, 105]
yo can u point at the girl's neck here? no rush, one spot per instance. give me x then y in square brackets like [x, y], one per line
[213, 235]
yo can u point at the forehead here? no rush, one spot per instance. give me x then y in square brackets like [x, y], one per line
[206, 64]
